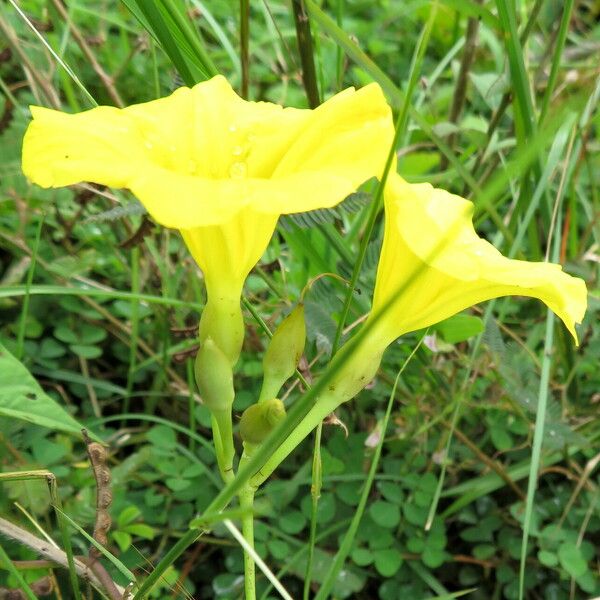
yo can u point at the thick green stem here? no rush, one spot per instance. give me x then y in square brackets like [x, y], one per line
[223, 438]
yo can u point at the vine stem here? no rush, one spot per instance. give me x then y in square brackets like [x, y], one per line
[246, 499]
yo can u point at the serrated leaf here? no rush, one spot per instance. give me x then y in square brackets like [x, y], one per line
[320, 327]
[313, 218]
[119, 212]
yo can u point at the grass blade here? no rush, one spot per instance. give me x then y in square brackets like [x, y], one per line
[554, 244]
[346, 545]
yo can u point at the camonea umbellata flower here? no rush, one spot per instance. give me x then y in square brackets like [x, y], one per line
[433, 265]
[219, 169]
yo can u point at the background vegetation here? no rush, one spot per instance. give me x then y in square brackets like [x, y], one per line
[101, 306]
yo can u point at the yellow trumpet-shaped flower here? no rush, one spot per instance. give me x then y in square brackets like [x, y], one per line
[433, 265]
[218, 168]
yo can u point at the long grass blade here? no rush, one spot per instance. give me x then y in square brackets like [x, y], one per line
[554, 244]
[348, 541]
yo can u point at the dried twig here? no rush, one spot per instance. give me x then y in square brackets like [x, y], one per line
[49, 552]
[460, 93]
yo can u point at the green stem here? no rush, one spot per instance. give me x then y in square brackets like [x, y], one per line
[223, 437]
[246, 498]
[315, 492]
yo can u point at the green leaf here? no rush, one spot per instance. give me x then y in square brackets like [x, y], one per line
[362, 557]
[85, 351]
[433, 557]
[279, 549]
[387, 562]
[548, 559]
[460, 328]
[21, 397]
[128, 515]
[572, 560]
[385, 514]
[176, 484]
[140, 530]
[123, 539]
[162, 436]
[292, 522]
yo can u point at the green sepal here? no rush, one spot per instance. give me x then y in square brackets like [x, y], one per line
[214, 377]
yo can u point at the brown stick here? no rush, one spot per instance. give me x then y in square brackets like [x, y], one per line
[51, 553]
[460, 93]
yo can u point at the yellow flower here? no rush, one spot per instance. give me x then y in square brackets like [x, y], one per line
[434, 265]
[218, 168]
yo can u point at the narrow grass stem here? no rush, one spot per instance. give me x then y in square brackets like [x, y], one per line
[30, 273]
[245, 46]
[315, 493]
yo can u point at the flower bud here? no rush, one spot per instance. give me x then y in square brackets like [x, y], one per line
[284, 352]
[259, 420]
[214, 377]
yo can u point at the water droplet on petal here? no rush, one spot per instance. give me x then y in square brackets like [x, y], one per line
[232, 128]
[238, 170]
[238, 151]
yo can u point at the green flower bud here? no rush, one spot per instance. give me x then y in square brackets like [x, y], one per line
[259, 420]
[284, 352]
[214, 377]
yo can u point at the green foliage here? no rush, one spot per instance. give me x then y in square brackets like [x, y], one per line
[104, 333]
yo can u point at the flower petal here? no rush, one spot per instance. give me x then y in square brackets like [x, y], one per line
[200, 155]
[437, 265]
[346, 142]
[98, 145]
